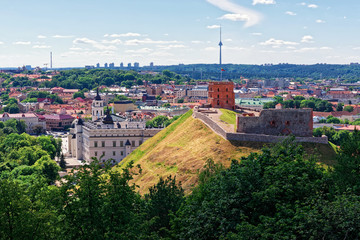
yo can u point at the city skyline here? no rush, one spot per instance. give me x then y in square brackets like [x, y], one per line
[253, 32]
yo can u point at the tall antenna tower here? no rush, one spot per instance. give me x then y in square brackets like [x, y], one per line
[220, 62]
[220, 45]
[50, 60]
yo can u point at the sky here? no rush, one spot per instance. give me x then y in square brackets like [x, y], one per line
[170, 32]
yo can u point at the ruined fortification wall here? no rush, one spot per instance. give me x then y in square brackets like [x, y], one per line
[251, 137]
[215, 127]
[278, 122]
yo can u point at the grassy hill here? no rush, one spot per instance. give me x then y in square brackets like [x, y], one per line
[183, 148]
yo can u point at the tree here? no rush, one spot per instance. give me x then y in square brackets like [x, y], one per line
[257, 197]
[349, 108]
[163, 198]
[347, 169]
[79, 94]
[158, 97]
[339, 107]
[166, 105]
[180, 100]
[62, 162]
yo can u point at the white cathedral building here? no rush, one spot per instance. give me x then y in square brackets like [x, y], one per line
[107, 136]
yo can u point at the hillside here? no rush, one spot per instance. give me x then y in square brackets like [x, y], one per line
[183, 148]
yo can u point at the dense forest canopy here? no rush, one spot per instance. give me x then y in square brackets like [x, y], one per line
[180, 74]
[281, 193]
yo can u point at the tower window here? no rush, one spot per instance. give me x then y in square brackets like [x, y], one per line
[226, 89]
[103, 144]
[95, 144]
[218, 89]
[114, 143]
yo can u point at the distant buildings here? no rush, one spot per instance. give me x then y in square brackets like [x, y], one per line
[108, 136]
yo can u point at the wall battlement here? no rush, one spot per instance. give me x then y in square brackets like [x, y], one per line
[251, 137]
[277, 122]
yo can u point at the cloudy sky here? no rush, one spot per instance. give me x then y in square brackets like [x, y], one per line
[86, 32]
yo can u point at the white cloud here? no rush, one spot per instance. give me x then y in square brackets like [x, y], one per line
[250, 17]
[41, 36]
[235, 17]
[22, 43]
[1, 43]
[141, 50]
[129, 34]
[211, 49]
[87, 53]
[114, 41]
[197, 42]
[256, 34]
[228, 40]
[234, 48]
[320, 21]
[301, 50]
[75, 48]
[307, 39]
[134, 42]
[161, 54]
[263, 2]
[168, 47]
[277, 43]
[93, 43]
[303, 4]
[41, 46]
[356, 48]
[290, 13]
[304, 50]
[312, 6]
[62, 36]
[213, 26]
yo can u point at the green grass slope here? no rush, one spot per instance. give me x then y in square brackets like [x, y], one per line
[183, 148]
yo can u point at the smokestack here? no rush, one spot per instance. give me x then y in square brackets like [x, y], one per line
[50, 60]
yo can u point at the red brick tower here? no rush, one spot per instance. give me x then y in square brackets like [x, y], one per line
[221, 95]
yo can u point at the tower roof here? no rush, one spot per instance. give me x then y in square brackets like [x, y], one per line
[128, 143]
[98, 98]
[108, 119]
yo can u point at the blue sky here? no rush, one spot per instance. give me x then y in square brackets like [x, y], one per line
[85, 32]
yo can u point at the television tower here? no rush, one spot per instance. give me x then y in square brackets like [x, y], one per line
[50, 60]
[220, 45]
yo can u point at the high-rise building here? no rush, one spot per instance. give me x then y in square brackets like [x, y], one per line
[97, 65]
[111, 65]
[105, 65]
[151, 64]
[129, 65]
[136, 64]
[121, 64]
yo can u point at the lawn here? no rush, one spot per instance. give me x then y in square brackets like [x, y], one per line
[228, 116]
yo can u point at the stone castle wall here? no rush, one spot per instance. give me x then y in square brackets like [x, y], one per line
[277, 122]
[251, 137]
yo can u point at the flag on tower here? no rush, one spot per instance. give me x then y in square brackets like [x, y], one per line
[223, 70]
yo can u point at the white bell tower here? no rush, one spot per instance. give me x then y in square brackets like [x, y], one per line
[97, 107]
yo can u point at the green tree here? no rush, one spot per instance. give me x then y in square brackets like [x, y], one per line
[163, 198]
[258, 196]
[62, 162]
[349, 108]
[79, 94]
[339, 107]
